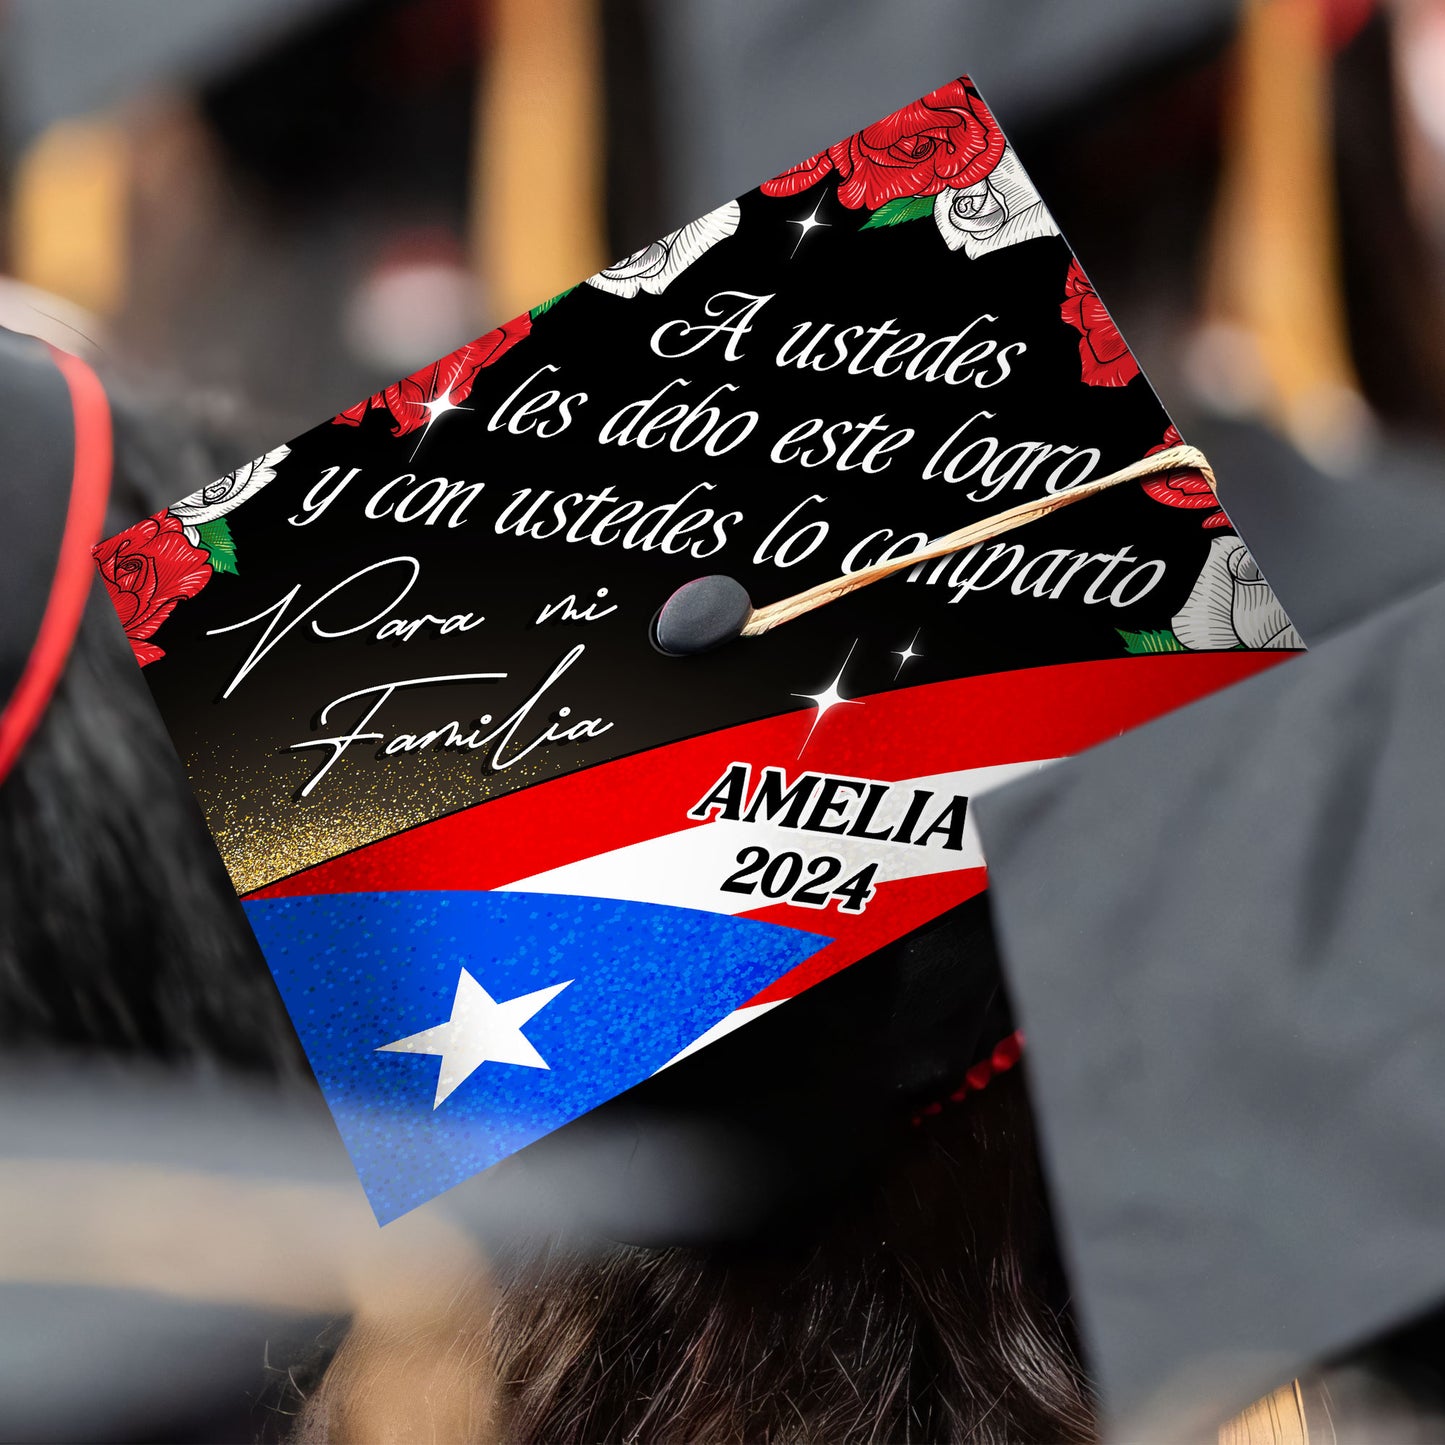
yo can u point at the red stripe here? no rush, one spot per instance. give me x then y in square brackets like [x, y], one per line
[74, 571]
[915, 732]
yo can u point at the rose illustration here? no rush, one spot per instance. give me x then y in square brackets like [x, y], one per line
[411, 401]
[998, 211]
[799, 177]
[1106, 360]
[1232, 605]
[228, 493]
[654, 268]
[946, 140]
[1184, 488]
[147, 569]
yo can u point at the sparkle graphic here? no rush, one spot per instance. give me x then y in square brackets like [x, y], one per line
[480, 1029]
[805, 227]
[437, 407]
[828, 699]
[906, 654]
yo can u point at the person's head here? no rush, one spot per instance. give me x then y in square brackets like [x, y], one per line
[893, 1275]
[923, 1301]
[119, 932]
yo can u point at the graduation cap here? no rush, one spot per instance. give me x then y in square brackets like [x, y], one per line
[633, 669]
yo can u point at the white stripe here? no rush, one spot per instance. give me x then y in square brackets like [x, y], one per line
[686, 869]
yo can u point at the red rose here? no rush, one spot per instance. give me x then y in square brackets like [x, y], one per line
[147, 569]
[947, 139]
[452, 378]
[1106, 360]
[799, 177]
[1185, 488]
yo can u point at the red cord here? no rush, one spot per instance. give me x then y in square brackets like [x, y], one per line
[74, 569]
[1006, 1054]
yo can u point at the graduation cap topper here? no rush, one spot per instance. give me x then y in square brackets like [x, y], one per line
[507, 854]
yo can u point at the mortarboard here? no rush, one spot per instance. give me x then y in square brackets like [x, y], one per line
[634, 668]
[1244, 1158]
[1045, 65]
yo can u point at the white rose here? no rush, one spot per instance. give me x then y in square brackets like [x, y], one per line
[1000, 210]
[654, 268]
[223, 496]
[1232, 605]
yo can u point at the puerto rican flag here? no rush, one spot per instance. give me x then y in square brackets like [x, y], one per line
[466, 986]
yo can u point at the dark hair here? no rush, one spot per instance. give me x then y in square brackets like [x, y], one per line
[923, 1304]
[928, 1306]
[119, 930]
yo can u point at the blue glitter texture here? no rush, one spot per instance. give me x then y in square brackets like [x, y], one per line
[359, 970]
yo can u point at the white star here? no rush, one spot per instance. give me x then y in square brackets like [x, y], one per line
[906, 654]
[827, 700]
[480, 1029]
[805, 226]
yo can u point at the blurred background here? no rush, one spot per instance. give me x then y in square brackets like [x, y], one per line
[293, 201]
[282, 205]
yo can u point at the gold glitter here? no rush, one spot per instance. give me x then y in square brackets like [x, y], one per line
[266, 836]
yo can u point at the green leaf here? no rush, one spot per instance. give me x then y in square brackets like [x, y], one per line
[217, 540]
[1163, 640]
[893, 213]
[547, 305]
